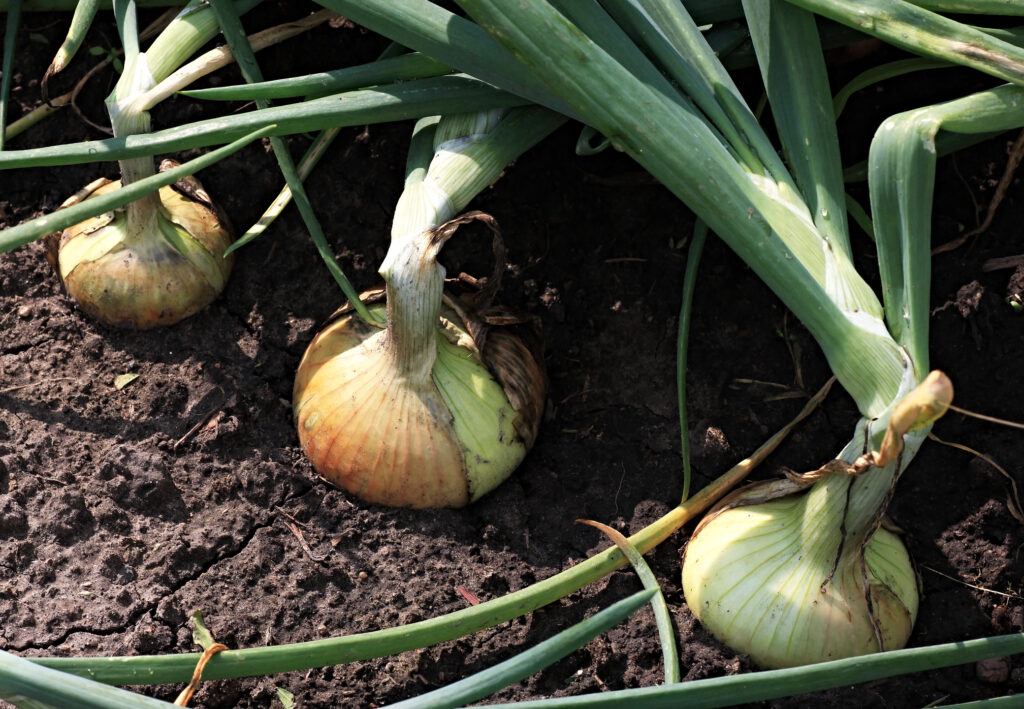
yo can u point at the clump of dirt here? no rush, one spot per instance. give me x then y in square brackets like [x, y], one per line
[123, 510]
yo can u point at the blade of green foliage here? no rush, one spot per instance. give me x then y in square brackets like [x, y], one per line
[81, 21]
[29, 686]
[1010, 700]
[945, 144]
[487, 682]
[673, 56]
[233, 31]
[693, 254]
[201, 635]
[671, 35]
[61, 219]
[382, 71]
[449, 39]
[901, 178]
[662, 615]
[10, 42]
[412, 99]
[126, 16]
[923, 32]
[796, 80]
[979, 7]
[762, 686]
[880, 73]
[306, 164]
[757, 218]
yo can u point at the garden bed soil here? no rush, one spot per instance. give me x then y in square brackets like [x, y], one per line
[122, 511]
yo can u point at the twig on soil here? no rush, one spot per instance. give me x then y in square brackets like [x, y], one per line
[293, 527]
[211, 418]
[1013, 503]
[19, 387]
[987, 418]
[1012, 162]
[470, 597]
[971, 585]
[1002, 262]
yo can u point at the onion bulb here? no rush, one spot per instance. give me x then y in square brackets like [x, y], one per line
[433, 404]
[803, 569]
[153, 263]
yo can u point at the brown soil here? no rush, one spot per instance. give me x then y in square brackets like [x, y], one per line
[111, 534]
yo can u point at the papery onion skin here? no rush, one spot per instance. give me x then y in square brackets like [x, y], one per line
[772, 581]
[154, 279]
[390, 441]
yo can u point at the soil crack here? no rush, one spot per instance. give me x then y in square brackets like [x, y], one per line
[150, 608]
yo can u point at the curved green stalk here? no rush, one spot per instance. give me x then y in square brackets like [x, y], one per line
[47, 224]
[926, 33]
[902, 181]
[85, 11]
[26, 684]
[487, 682]
[945, 144]
[662, 615]
[383, 71]
[231, 26]
[398, 102]
[762, 686]
[693, 254]
[10, 42]
[883, 72]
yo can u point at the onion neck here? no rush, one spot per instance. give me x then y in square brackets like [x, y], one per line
[863, 499]
[414, 282]
[142, 213]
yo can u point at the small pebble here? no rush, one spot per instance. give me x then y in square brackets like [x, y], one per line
[363, 576]
[993, 671]
[24, 311]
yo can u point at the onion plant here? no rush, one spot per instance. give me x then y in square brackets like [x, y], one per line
[431, 400]
[161, 258]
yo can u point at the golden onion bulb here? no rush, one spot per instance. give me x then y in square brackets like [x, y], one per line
[154, 263]
[773, 574]
[410, 416]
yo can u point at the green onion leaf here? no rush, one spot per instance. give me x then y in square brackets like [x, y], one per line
[30, 686]
[489, 681]
[231, 25]
[61, 219]
[382, 71]
[762, 686]
[10, 42]
[926, 33]
[700, 235]
[396, 102]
